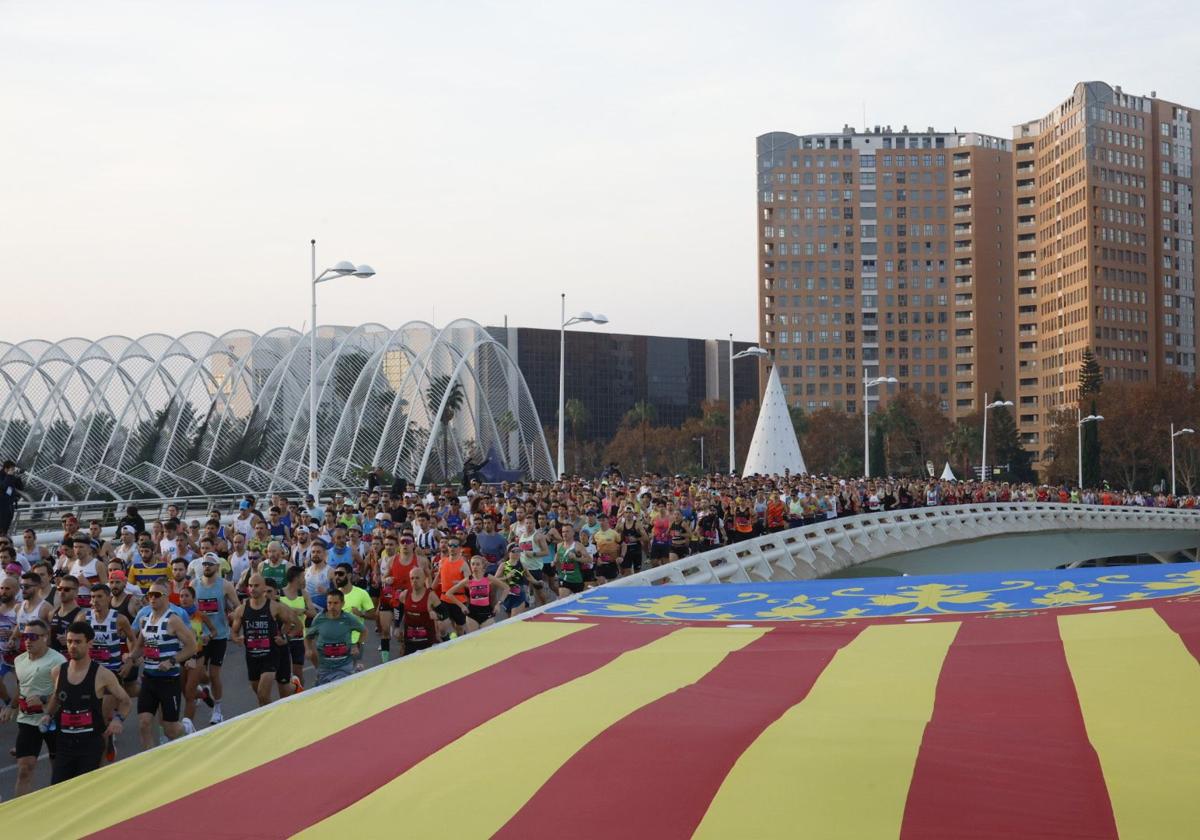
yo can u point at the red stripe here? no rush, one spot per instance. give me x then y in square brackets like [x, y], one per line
[1006, 753]
[1184, 618]
[285, 796]
[659, 768]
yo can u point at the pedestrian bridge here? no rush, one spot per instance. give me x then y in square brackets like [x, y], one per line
[937, 540]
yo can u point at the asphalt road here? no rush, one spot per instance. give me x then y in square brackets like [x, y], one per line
[238, 698]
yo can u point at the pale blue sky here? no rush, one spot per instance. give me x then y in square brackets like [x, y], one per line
[165, 164]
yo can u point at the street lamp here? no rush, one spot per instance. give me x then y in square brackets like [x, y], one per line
[701, 439]
[756, 352]
[988, 406]
[1175, 434]
[340, 270]
[581, 318]
[868, 382]
[1079, 421]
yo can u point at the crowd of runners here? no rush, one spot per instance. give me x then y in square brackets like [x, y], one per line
[94, 630]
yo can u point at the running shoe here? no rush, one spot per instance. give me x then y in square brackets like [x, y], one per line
[206, 696]
[215, 717]
[188, 726]
[297, 684]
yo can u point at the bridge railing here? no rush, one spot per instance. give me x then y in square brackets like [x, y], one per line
[834, 544]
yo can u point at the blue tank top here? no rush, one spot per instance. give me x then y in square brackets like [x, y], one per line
[343, 556]
[210, 600]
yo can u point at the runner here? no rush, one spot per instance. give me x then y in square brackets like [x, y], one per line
[259, 624]
[82, 689]
[420, 616]
[193, 670]
[111, 634]
[451, 569]
[517, 579]
[329, 641]
[163, 641]
[569, 558]
[609, 545]
[68, 610]
[216, 598]
[35, 669]
[355, 600]
[295, 598]
[316, 576]
[149, 567]
[484, 593]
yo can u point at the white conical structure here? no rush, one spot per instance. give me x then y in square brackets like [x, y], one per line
[774, 447]
[948, 474]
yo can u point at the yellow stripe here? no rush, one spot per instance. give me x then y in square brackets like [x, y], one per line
[1139, 689]
[87, 804]
[839, 763]
[531, 742]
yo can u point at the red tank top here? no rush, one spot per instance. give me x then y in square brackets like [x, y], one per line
[418, 626]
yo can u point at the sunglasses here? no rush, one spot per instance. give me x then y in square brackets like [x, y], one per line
[155, 594]
[32, 637]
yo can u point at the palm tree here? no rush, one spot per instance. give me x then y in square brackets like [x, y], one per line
[438, 388]
[577, 415]
[642, 414]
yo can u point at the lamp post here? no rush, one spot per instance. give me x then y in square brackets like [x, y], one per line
[1175, 434]
[701, 439]
[581, 318]
[756, 352]
[988, 406]
[1079, 421]
[868, 382]
[340, 270]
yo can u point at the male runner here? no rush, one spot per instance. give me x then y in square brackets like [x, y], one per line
[260, 624]
[35, 683]
[81, 690]
[329, 641]
[216, 598]
[164, 641]
[109, 630]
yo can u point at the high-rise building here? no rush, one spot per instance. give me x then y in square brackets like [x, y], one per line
[964, 265]
[887, 254]
[1105, 250]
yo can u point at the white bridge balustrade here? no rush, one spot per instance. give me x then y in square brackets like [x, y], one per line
[836, 544]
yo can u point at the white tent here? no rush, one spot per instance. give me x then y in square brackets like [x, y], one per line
[948, 474]
[774, 447]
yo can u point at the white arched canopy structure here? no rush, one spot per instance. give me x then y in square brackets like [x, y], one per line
[124, 416]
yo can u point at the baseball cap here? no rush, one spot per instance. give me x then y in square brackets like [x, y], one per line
[302, 529]
[116, 574]
[128, 529]
[380, 517]
[244, 504]
[210, 559]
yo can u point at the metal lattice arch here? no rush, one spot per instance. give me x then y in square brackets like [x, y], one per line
[161, 416]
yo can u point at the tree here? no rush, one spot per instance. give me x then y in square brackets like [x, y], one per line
[832, 443]
[439, 387]
[1091, 381]
[577, 416]
[641, 416]
[1008, 450]
[965, 439]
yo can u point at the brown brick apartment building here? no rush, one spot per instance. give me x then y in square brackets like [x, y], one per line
[963, 264]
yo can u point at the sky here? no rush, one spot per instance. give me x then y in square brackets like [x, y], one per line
[166, 164]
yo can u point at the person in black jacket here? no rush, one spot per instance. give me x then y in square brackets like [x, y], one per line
[10, 495]
[132, 517]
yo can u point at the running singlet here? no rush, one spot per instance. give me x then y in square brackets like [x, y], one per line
[343, 556]
[296, 605]
[58, 627]
[479, 592]
[80, 714]
[24, 616]
[88, 576]
[418, 626]
[210, 600]
[451, 572]
[106, 646]
[400, 573]
[258, 630]
[274, 574]
[314, 581]
[159, 644]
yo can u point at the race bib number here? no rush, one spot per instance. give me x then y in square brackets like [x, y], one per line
[208, 605]
[101, 654]
[334, 651]
[416, 634]
[258, 644]
[76, 720]
[151, 653]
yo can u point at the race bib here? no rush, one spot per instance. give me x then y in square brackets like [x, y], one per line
[150, 653]
[208, 605]
[416, 634]
[333, 651]
[76, 720]
[258, 644]
[101, 654]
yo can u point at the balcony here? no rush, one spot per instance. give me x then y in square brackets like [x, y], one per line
[1026, 185]
[964, 317]
[961, 193]
[1027, 331]
[962, 212]
[964, 352]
